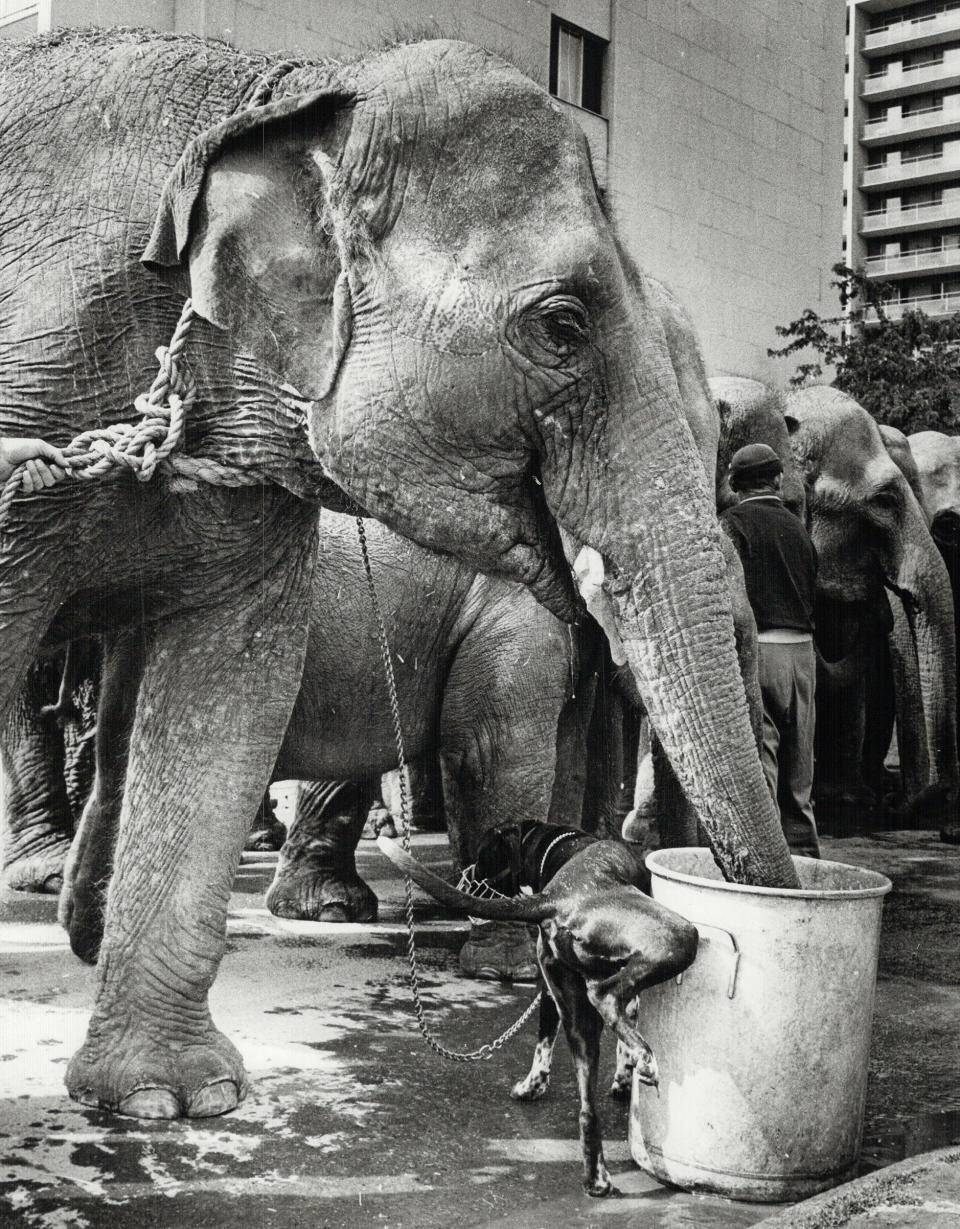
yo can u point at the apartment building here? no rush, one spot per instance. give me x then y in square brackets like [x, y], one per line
[902, 149]
[715, 126]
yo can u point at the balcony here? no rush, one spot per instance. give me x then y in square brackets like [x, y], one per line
[931, 304]
[911, 33]
[926, 168]
[930, 122]
[921, 260]
[898, 82]
[892, 221]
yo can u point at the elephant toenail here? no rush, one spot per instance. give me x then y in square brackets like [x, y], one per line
[214, 1099]
[150, 1103]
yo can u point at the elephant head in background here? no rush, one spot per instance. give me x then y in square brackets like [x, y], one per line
[937, 460]
[898, 446]
[872, 539]
[416, 242]
[753, 413]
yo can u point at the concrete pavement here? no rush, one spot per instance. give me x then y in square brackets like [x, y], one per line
[351, 1121]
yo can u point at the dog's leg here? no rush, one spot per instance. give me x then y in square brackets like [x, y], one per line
[536, 1082]
[582, 1026]
[611, 998]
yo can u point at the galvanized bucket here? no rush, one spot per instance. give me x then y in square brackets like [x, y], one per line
[763, 1042]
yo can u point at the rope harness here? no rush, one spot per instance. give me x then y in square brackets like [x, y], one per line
[483, 889]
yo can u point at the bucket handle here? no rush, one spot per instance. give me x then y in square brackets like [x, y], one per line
[735, 965]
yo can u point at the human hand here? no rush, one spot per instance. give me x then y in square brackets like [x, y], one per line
[46, 465]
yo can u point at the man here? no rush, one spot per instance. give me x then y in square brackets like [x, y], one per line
[46, 465]
[780, 565]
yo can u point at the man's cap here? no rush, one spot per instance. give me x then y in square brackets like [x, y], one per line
[756, 461]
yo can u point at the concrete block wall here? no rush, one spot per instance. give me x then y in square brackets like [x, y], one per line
[726, 155]
[723, 137]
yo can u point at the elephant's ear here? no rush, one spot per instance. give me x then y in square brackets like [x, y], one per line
[240, 227]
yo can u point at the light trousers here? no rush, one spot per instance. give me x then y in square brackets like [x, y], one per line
[788, 680]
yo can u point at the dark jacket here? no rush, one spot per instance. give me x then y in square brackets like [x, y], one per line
[779, 562]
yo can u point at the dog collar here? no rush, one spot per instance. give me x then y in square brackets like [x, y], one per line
[549, 849]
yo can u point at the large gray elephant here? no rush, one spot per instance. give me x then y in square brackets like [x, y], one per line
[882, 586]
[416, 244]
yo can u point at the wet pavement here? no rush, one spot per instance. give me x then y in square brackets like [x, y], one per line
[352, 1121]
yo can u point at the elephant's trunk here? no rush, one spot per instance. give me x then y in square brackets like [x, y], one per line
[924, 585]
[908, 697]
[659, 535]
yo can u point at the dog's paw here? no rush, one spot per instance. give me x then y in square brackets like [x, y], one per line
[530, 1088]
[600, 1187]
[621, 1086]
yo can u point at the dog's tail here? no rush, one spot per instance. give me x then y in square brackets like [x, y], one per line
[517, 909]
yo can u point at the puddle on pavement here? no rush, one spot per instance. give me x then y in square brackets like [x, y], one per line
[921, 1134]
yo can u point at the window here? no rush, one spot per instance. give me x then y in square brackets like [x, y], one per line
[576, 65]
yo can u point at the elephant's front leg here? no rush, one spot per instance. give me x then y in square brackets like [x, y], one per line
[217, 692]
[316, 877]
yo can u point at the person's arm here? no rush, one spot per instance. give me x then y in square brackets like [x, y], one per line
[46, 465]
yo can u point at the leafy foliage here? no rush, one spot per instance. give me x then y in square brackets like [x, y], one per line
[905, 372]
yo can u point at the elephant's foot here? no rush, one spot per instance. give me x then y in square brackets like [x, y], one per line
[132, 1072]
[932, 807]
[950, 835]
[500, 951]
[311, 887]
[39, 871]
[266, 836]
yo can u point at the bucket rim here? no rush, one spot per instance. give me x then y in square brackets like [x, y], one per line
[881, 888]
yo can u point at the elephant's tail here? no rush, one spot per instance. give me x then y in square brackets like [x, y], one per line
[515, 909]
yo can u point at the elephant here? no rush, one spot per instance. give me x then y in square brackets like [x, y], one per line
[405, 296]
[901, 453]
[753, 413]
[486, 676]
[937, 460]
[883, 597]
[48, 765]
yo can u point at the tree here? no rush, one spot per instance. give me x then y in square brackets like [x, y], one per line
[905, 372]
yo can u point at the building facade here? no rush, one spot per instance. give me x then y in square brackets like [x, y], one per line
[716, 127]
[902, 149]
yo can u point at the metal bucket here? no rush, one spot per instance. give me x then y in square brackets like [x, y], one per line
[763, 1042]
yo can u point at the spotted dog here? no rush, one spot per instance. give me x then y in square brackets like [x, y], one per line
[601, 942]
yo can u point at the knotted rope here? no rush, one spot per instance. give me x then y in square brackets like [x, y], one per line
[137, 446]
[144, 445]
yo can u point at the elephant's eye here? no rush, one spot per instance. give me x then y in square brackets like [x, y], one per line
[554, 329]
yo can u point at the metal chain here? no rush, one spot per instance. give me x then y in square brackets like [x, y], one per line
[457, 1056]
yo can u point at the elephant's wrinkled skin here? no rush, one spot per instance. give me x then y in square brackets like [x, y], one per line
[415, 242]
[872, 540]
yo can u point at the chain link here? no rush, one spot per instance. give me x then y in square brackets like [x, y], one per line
[457, 1056]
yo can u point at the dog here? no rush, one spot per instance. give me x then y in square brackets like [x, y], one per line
[601, 942]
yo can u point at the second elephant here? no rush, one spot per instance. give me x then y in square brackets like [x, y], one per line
[486, 677]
